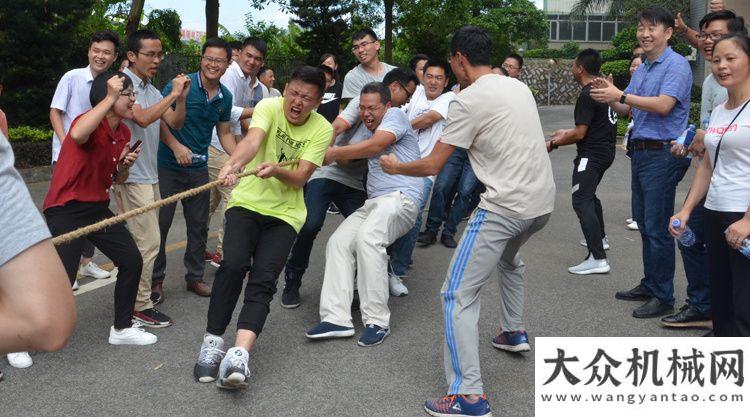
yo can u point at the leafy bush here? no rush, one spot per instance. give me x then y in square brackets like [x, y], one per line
[29, 134]
[695, 114]
[568, 51]
[622, 126]
[32, 154]
[619, 68]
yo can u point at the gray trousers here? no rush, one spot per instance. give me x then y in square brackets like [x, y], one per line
[491, 241]
[195, 211]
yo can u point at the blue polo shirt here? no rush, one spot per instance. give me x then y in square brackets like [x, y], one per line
[670, 75]
[201, 115]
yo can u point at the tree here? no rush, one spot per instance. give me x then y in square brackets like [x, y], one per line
[212, 18]
[134, 16]
[628, 9]
[167, 23]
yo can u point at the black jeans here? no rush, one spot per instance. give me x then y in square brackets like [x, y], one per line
[195, 211]
[587, 206]
[114, 241]
[256, 244]
[319, 194]
[729, 275]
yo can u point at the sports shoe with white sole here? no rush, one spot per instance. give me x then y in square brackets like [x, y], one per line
[75, 285]
[20, 360]
[233, 371]
[209, 359]
[605, 243]
[93, 270]
[135, 335]
[632, 226]
[396, 286]
[590, 266]
[326, 330]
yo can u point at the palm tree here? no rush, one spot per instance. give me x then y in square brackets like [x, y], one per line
[627, 9]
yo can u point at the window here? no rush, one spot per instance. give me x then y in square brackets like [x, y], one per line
[552, 30]
[608, 31]
[564, 34]
[595, 32]
[592, 29]
[579, 31]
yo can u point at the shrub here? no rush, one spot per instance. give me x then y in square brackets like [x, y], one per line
[568, 51]
[32, 154]
[29, 134]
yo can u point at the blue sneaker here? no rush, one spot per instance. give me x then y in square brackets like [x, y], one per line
[458, 406]
[326, 330]
[373, 335]
[512, 341]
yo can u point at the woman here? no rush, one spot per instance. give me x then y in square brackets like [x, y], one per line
[722, 179]
[94, 153]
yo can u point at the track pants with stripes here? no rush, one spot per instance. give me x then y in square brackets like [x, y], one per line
[491, 241]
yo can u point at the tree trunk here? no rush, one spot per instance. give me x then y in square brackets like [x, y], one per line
[388, 30]
[212, 18]
[134, 17]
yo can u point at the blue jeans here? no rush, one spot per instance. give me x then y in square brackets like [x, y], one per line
[403, 247]
[319, 193]
[695, 262]
[456, 170]
[655, 175]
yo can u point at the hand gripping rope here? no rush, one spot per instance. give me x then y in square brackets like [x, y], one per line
[75, 234]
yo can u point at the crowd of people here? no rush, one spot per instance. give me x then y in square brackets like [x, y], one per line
[377, 146]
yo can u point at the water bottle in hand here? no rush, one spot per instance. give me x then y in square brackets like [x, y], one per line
[745, 247]
[686, 238]
[196, 158]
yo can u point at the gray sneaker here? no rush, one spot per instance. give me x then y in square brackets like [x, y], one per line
[233, 372]
[590, 266]
[207, 367]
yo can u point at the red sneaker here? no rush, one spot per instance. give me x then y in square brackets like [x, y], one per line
[216, 260]
[208, 256]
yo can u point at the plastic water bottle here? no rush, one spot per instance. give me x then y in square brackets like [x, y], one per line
[706, 120]
[745, 248]
[687, 238]
[198, 158]
[684, 140]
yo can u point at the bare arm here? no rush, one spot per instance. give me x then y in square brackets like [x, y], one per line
[426, 120]
[88, 122]
[243, 153]
[365, 149]
[430, 165]
[55, 119]
[181, 152]
[698, 190]
[661, 105]
[296, 178]
[228, 142]
[144, 117]
[566, 137]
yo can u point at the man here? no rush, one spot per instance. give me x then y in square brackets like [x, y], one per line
[268, 78]
[236, 49]
[358, 246]
[659, 97]
[595, 140]
[505, 142]
[689, 33]
[341, 184]
[696, 312]
[426, 111]
[416, 63]
[513, 64]
[182, 164]
[71, 99]
[264, 215]
[142, 186]
[241, 79]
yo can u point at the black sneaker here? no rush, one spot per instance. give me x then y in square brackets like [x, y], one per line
[448, 241]
[152, 318]
[290, 298]
[688, 316]
[427, 238]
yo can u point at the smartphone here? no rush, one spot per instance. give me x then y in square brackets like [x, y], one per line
[136, 145]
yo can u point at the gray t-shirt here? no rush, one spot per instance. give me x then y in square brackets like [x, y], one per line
[357, 77]
[712, 95]
[352, 174]
[144, 169]
[406, 149]
[21, 223]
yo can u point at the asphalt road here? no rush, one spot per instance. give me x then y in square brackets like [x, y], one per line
[295, 377]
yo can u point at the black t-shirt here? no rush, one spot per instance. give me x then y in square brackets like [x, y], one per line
[600, 139]
[329, 108]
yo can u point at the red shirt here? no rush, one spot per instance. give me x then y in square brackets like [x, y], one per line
[84, 172]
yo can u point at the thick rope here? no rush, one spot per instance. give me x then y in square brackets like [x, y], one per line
[78, 233]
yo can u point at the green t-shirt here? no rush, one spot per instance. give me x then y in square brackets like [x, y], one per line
[284, 141]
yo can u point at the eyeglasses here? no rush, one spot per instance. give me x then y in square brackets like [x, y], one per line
[361, 45]
[131, 94]
[509, 67]
[714, 36]
[212, 60]
[152, 55]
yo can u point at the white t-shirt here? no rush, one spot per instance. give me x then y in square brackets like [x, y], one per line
[419, 105]
[72, 98]
[730, 189]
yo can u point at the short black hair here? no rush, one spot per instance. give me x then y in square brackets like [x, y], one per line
[327, 70]
[217, 43]
[439, 63]
[310, 75]
[518, 59]
[135, 38]
[256, 43]
[105, 35]
[656, 16]
[415, 59]
[378, 88]
[235, 45]
[735, 24]
[590, 60]
[364, 32]
[401, 75]
[329, 55]
[502, 70]
[99, 85]
[474, 43]
[262, 70]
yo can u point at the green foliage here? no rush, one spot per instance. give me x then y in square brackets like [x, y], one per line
[695, 114]
[568, 51]
[29, 134]
[622, 126]
[618, 68]
[628, 9]
[167, 23]
[283, 43]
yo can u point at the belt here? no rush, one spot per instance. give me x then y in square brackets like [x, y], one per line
[639, 145]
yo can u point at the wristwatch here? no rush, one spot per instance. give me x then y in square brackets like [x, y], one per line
[622, 98]
[553, 145]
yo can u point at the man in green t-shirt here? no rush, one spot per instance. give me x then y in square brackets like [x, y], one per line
[263, 218]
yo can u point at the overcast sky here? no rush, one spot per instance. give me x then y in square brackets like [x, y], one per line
[231, 13]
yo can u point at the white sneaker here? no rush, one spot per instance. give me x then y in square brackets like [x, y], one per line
[605, 243]
[397, 287]
[93, 270]
[633, 226]
[20, 360]
[628, 221]
[590, 266]
[75, 285]
[135, 335]
[233, 371]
